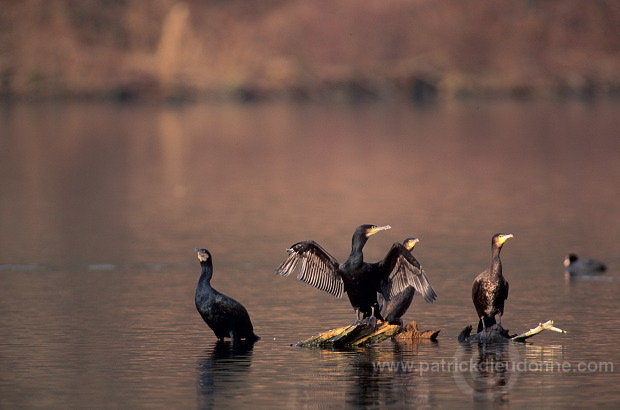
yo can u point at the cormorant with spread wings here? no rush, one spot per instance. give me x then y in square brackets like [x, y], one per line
[396, 306]
[361, 281]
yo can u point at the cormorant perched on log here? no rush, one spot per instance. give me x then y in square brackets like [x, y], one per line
[361, 280]
[580, 267]
[224, 315]
[490, 289]
[394, 308]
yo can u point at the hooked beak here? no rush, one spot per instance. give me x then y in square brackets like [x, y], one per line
[376, 229]
[504, 238]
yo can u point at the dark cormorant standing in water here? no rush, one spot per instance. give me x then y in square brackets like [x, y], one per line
[395, 307]
[224, 315]
[361, 280]
[490, 289]
[579, 267]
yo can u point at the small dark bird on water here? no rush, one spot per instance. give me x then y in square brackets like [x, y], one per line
[490, 289]
[583, 267]
[361, 281]
[224, 315]
[394, 308]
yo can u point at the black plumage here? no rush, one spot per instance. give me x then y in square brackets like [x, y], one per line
[224, 315]
[393, 308]
[361, 281]
[575, 266]
[490, 289]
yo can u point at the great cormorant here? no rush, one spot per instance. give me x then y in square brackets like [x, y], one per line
[224, 315]
[490, 289]
[361, 281]
[394, 308]
[579, 267]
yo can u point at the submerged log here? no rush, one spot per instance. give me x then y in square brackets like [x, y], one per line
[411, 333]
[365, 333]
[497, 334]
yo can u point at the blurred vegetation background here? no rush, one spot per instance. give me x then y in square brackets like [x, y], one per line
[300, 49]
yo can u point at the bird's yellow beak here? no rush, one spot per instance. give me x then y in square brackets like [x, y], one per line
[504, 238]
[376, 229]
[202, 257]
[411, 243]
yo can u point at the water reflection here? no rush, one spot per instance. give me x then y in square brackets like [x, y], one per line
[367, 387]
[545, 354]
[487, 371]
[575, 279]
[385, 375]
[223, 371]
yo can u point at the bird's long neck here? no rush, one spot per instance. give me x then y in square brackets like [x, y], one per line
[206, 274]
[356, 257]
[496, 262]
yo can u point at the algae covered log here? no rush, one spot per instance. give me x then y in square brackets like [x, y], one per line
[364, 333]
[357, 334]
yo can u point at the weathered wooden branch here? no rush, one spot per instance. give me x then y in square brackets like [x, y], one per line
[548, 325]
[497, 334]
[362, 334]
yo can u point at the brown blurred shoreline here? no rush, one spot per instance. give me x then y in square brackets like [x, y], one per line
[346, 50]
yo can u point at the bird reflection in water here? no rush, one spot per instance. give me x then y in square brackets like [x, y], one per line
[487, 371]
[366, 387]
[222, 370]
[370, 387]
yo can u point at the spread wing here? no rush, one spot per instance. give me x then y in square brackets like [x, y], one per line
[400, 269]
[316, 267]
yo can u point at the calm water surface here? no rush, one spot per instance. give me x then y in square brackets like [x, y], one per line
[101, 207]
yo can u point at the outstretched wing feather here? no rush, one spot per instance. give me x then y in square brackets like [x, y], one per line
[422, 285]
[289, 265]
[405, 271]
[317, 267]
